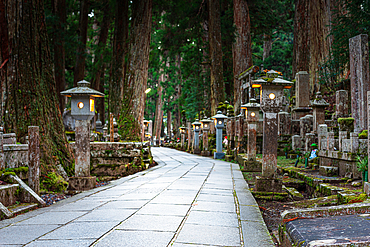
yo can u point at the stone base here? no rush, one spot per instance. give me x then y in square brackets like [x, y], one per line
[299, 112]
[218, 156]
[269, 184]
[205, 153]
[367, 188]
[81, 183]
[196, 151]
[252, 166]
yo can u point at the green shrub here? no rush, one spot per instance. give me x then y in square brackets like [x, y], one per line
[363, 134]
[54, 182]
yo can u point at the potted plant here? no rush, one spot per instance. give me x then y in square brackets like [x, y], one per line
[362, 166]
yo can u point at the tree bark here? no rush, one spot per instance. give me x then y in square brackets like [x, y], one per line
[59, 11]
[301, 38]
[98, 77]
[158, 110]
[79, 71]
[215, 50]
[242, 50]
[31, 98]
[5, 53]
[120, 51]
[136, 73]
[267, 45]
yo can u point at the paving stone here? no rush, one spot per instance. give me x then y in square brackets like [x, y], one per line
[209, 235]
[250, 213]
[128, 204]
[255, 234]
[52, 218]
[213, 218]
[151, 223]
[217, 192]
[80, 230]
[22, 234]
[123, 238]
[61, 243]
[173, 199]
[112, 215]
[216, 198]
[79, 206]
[214, 207]
[164, 209]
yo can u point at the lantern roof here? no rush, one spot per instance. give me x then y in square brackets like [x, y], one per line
[319, 101]
[82, 89]
[182, 127]
[252, 103]
[196, 122]
[206, 120]
[219, 115]
[272, 78]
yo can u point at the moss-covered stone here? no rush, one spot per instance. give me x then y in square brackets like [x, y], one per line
[346, 124]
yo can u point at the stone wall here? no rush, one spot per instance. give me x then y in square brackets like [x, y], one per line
[15, 155]
[118, 159]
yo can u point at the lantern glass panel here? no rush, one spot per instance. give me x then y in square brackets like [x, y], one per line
[80, 105]
[92, 105]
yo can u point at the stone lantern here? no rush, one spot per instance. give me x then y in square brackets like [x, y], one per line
[252, 117]
[182, 132]
[99, 125]
[219, 119]
[318, 105]
[196, 128]
[271, 93]
[82, 110]
[206, 126]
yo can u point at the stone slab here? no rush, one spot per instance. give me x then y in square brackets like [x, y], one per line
[122, 238]
[81, 183]
[151, 223]
[331, 231]
[209, 235]
[269, 184]
[255, 234]
[23, 234]
[61, 243]
[213, 218]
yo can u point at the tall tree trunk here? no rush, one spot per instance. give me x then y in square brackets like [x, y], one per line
[98, 77]
[242, 50]
[136, 73]
[301, 37]
[79, 71]
[59, 11]
[169, 123]
[30, 84]
[158, 110]
[215, 50]
[267, 45]
[120, 51]
[5, 54]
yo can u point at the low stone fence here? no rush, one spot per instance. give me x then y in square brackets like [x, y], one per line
[118, 159]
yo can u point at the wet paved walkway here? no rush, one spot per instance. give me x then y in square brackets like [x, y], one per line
[186, 200]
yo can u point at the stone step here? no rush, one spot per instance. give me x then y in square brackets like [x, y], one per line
[328, 171]
[328, 189]
[293, 193]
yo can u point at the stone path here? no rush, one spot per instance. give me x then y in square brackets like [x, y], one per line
[186, 200]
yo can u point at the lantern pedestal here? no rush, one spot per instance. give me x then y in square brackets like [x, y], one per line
[205, 153]
[269, 184]
[81, 183]
[218, 156]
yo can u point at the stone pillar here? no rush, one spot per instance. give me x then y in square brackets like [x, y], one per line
[342, 135]
[111, 128]
[285, 123]
[270, 144]
[322, 135]
[330, 141]
[306, 125]
[188, 128]
[219, 142]
[82, 155]
[341, 103]
[232, 133]
[359, 65]
[296, 142]
[368, 143]
[236, 132]
[196, 142]
[310, 139]
[302, 95]
[205, 140]
[302, 89]
[354, 142]
[252, 141]
[182, 140]
[150, 131]
[34, 159]
[241, 134]
[2, 162]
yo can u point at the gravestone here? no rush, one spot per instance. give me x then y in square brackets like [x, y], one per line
[302, 95]
[359, 65]
[341, 104]
[318, 105]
